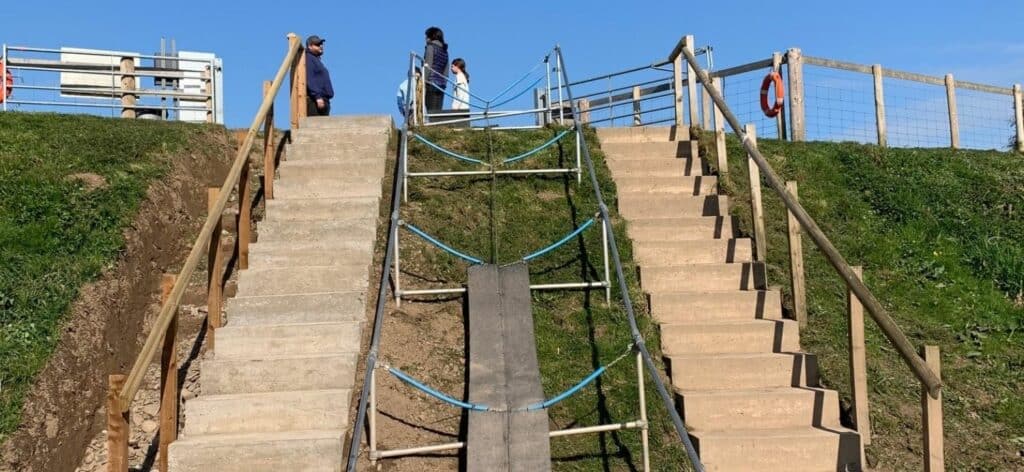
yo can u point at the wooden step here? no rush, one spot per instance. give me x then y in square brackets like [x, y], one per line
[802, 449]
[681, 229]
[743, 371]
[703, 277]
[706, 306]
[633, 206]
[674, 253]
[692, 185]
[750, 336]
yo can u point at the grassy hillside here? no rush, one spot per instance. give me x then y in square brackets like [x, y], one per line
[939, 234]
[68, 187]
[576, 331]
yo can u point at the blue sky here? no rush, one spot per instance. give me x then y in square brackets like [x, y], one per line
[368, 42]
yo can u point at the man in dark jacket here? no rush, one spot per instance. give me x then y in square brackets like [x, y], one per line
[319, 91]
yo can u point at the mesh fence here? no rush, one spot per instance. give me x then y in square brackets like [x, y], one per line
[742, 94]
[916, 114]
[839, 106]
[986, 119]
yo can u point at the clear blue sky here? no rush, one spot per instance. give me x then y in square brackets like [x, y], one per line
[368, 42]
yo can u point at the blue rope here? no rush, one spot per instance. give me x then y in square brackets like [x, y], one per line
[450, 153]
[564, 240]
[566, 394]
[441, 245]
[539, 149]
[527, 89]
[510, 87]
[445, 92]
[434, 393]
[449, 80]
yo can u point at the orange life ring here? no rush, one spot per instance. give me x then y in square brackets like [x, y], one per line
[772, 77]
[8, 85]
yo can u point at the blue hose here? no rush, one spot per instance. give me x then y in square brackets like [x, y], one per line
[434, 393]
[445, 151]
[564, 240]
[510, 87]
[539, 149]
[566, 394]
[441, 245]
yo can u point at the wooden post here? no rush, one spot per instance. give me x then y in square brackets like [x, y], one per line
[931, 409]
[756, 208]
[876, 70]
[215, 275]
[298, 85]
[796, 260]
[300, 77]
[208, 89]
[723, 160]
[795, 65]
[269, 165]
[1018, 108]
[677, 88]
[858, 362]
[954, 120]
[691, 83]
[780, 119]
[584, 106]
[128, 99]
[118, 426]
[636, 107]
[168, 378]
[705, 108]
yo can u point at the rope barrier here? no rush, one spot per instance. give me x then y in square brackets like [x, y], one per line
[539, 149]
[434, 393]
[447, 152]
[440, 245]
[445, 92]
[517, 82]
[579, 386]
[450, 81]
[562, 241]
[520, 94]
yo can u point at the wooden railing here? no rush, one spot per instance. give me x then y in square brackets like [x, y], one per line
[123, 388]
[925, 366]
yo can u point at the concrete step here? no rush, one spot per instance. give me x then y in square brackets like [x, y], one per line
[300, 451]
[643, 134]
[741, 371]
[336, 151]
[657, 253]
[702, 277]
[647, 206]
[323, 135]
[626, 168]
[705, 306]
[276, 231]
[302, 254]
[293, 309]
[355, 245]
[764, 408]
[650, 150]
[380, 123]
[271, 412]
[730, 337]
[294, 280]
[682, 229]
[804, 449]
[279, 374]
[259, 341]
[330, 168]
[693, 185]
[322, 209]
[316, 187]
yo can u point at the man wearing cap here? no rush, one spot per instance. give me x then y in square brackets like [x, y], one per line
[318, 81]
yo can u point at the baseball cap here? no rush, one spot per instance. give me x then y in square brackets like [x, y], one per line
[314, 40]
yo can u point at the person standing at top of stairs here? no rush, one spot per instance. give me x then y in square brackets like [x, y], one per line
[435, 57]
[319, 91]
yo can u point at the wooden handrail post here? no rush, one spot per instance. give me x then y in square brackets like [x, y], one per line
[691, 83]
[298, 82]
[796, 260]
[636, 107]
[584, 106]
[795, 66]
[215, 275]
[1018, 111]
[705, 108]
[677, 88]
[118, 426]
[858, 362]
[780, 119]
[207, 78]
[756, 208]
[128, 82]
[934, 456]
[954, 120]
[269, 163]
[723, 160]
[168, 378]
[876, 71]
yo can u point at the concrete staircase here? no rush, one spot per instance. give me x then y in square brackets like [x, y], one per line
[277, 387]
[748, 394]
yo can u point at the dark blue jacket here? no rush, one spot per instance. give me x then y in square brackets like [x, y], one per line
[436, 57]
[318, 80]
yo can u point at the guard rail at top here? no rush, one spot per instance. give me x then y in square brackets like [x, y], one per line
[122, 389]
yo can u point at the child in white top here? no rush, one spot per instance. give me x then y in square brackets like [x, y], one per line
[461, 99]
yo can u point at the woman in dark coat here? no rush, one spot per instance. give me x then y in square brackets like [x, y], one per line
[435, 57]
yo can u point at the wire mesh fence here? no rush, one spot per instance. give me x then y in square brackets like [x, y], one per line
[986, 120]
[839, 106]
[742, 93]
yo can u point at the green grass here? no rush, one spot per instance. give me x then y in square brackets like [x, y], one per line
[576, 332]
[939, 234]
[56, 234]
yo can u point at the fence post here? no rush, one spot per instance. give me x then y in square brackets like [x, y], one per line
[269, 165]
[705, 108]
[1018, 108]
[636, 107]
[298, 76]
[934, 456]
[207, 78]
[128, 99]
[168, 377]
[780, 119]
[677, 87]
[691, 83]
[723, 159]
[795, 66]
[876, 71]
[796, 260]
[215, 274]
[954, 120]
[118, 426]
[584, 106]
[757, 211]
[858, 363]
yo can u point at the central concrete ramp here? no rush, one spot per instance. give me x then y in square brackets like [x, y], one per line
[503, 374]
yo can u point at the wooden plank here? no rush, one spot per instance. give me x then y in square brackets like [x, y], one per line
[879, 105]
[720, 149]
[954, 120]
[168, 379]
[744, 68]
[207, 78]
[243, 225]
[756, 207]
[636, 107]
[858, 362]
[794, 61]
[705, 108]
[584, 107]
[796, 260]
[934, 456]
[214, 275]
[780, 120]
[1018, 108]
[128, 100]
[903, 75]
[269, 164]
[691, 85]
[677, 84]
[118, 427]
[301, 104]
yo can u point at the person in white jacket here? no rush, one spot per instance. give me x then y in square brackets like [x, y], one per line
[461, 98]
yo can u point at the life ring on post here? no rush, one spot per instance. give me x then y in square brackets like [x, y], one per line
[780, 91]
[8, 85]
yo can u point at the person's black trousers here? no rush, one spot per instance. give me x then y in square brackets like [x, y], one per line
[312, 110]
[434, 99]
